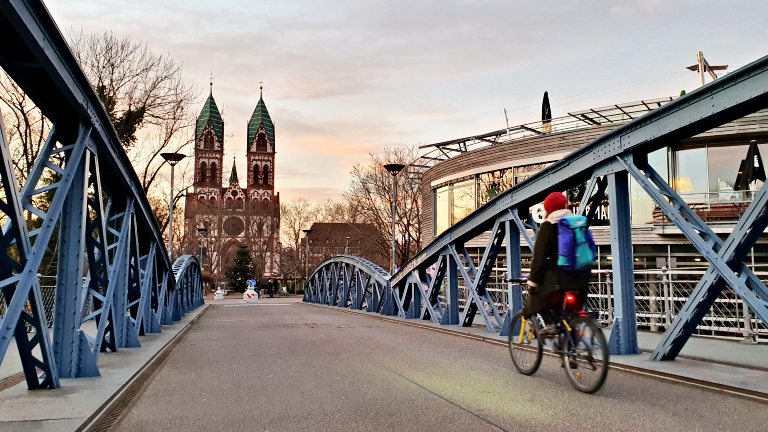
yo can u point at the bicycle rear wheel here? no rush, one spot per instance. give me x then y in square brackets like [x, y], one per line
[525, 344]
[586, 356]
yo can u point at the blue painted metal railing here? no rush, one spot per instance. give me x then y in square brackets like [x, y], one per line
[427, 287]
[114, 278]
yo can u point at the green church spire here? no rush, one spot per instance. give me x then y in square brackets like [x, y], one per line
[261, 117]
[210, 113]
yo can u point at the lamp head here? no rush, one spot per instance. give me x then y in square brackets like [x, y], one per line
[173, 158]
[394, 168]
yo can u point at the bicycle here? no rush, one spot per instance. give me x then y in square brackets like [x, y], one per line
[577, 339]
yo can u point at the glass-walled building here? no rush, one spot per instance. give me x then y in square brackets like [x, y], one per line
[716, 173]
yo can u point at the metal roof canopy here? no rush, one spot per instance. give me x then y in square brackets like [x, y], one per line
[612, 114]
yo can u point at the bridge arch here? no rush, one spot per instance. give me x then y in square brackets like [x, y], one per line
[349, 281]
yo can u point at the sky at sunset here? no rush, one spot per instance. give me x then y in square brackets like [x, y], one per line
[343, 79]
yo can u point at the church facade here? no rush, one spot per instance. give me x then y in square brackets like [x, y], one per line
[222, 217]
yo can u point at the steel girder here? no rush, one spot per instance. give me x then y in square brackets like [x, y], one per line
[113, 270]
[604, 165]
[727, 269]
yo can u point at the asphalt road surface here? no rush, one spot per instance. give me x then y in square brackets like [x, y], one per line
[298, 367]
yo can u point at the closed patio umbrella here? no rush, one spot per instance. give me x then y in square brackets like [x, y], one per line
[751, 168]
[546, 114]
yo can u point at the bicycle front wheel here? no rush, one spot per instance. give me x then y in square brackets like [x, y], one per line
[525, 344]
[586, 355]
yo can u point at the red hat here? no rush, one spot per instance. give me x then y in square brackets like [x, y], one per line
[555, 201]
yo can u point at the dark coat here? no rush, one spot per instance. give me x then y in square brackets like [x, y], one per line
[543, 270]
[550, 280]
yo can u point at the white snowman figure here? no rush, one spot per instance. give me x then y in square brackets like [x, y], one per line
[250, 295]
[219, 294]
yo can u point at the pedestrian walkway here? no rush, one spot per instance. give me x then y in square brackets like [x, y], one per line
[729, 365]
[68, 407]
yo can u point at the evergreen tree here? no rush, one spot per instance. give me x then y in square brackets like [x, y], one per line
[242, 269]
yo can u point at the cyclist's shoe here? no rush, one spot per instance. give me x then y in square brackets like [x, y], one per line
[548, 330]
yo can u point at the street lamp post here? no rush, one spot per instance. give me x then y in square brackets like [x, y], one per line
[394, 169]
[201, 232]
[172, 159]
[306, 254]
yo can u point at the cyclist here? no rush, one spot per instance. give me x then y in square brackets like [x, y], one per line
[547, 283]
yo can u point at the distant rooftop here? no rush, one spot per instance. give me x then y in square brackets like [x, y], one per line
[432, 154]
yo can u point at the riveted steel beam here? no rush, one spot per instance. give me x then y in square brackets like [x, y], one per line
[726, 259]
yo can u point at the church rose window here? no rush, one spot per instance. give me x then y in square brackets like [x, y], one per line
[233, 226]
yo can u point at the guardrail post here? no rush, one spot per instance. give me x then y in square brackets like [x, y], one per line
[514, 258]
[624, 332]
[451, 316]
[667, 298]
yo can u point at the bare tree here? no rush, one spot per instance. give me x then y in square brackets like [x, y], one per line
[261, 237]
[26, 126]
[295, 215]
[370, 197]
[331, 211]
[144, 95]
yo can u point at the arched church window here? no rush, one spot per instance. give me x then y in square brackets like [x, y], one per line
[208, 140]
[239, 203]
[230, 202]
[266, 174]
[213, 201]
[203, 172]
[265, 201]
[261, 142]
[255, 175]
[214, 172]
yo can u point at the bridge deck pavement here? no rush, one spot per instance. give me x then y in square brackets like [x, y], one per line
[300, 368]
[724, 363]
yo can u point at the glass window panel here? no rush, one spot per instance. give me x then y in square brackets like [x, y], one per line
[723, 164]
[491, 184]
[463, 200]
[641, 204]
[690, 179]
[442, 209]
[524, 171]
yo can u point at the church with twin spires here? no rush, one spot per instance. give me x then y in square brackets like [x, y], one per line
[222, 217]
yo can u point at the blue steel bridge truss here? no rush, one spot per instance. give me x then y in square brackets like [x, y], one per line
[114, 278]
[427, 287]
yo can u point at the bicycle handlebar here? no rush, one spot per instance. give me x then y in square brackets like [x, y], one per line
[517, 280]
